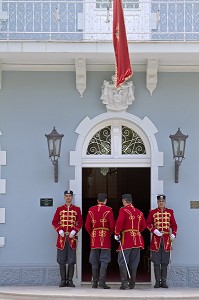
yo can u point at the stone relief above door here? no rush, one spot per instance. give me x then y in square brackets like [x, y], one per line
[117, 99]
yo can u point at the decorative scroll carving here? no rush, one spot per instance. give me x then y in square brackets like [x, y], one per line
[117, 99]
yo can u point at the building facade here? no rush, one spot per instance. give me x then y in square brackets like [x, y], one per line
[56, 69]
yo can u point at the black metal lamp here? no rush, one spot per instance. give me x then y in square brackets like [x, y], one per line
[54, 146]
[178, 141]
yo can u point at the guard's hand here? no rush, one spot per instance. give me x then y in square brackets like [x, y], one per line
[157, 232]
[117, 237]
[61, 232]
[172, 236]
[72, 233]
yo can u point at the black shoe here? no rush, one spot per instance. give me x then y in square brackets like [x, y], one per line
[131, 285]
[164, 285]
[103, 286]
[95, 285]
[70, 284]
[63, 283]
[124, 287]
[157, 285]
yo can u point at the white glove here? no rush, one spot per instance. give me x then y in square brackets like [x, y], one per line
[72, 233]
[117, 237]
[172, 236]
[61, 232]
[157, 232]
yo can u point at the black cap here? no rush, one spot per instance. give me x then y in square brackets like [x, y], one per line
[68, 192]
[127, 197]
[161, 197]
[102, 197]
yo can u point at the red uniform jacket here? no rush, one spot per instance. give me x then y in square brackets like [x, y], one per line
[163, 221]
[67, 218]
[130, 223]
[100, 225]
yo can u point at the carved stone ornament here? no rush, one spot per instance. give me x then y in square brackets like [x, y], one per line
[119, 98]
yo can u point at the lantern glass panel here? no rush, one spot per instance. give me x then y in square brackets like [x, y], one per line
[57, 146]
[178, 147]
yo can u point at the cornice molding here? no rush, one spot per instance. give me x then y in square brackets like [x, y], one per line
[94, 67]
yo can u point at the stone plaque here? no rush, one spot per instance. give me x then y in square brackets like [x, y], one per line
[194, 204]
[46, 202]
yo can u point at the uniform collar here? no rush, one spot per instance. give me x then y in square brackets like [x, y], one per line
[161, 209]
[68, 206]
[129, 205]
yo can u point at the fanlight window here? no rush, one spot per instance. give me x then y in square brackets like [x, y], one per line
[131, 143]
[100, 144]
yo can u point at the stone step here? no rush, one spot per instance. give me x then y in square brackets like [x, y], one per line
[87, 293]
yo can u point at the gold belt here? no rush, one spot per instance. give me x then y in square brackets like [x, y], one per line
[100, 228]
[130, 230]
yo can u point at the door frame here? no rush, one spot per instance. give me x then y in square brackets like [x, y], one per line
[78, 158]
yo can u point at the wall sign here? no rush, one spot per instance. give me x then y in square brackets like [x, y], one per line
[194, 204]
[46, 202]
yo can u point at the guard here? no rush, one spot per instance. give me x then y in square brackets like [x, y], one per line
[67, 222]
[100, 225]
[162, 224]
[129, 225]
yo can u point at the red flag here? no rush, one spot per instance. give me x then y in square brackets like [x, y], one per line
[123, 69]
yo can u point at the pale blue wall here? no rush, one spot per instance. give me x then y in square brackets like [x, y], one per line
[31, 103]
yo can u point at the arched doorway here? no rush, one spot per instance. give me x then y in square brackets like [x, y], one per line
[115, 151]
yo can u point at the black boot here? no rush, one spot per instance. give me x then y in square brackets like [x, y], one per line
[62, 269]
[164, 276]
[102, 279]
[95, 272]
[132, 279]
[157, 276]
[70, 275]
[123, 276]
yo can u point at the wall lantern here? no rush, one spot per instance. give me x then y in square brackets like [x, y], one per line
[54, 146]
[178, 141]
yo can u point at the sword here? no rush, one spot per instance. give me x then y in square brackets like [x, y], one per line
[76, 239]
[125, 260]
[170, 254]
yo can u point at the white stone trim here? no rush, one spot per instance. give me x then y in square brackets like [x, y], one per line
[2, 241]
[2, 158]
[2, 163]
[2, 215]
[78, 158]
[2, 186]
[2, 221]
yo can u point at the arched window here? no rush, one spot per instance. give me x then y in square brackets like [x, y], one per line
[130, 142]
